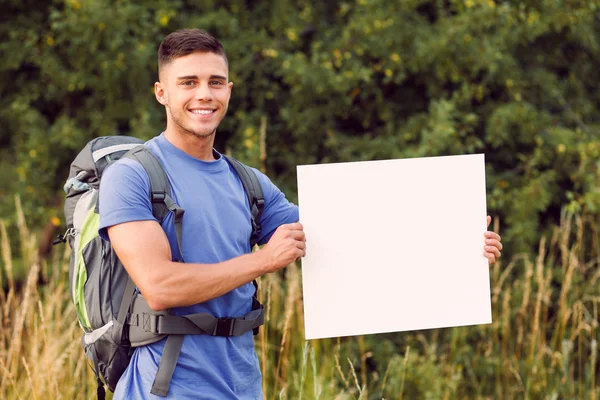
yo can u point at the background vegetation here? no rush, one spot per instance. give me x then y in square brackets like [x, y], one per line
[322, 82]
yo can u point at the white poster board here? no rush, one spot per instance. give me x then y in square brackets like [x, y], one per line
[394, 245]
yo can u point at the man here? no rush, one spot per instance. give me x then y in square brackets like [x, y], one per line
[216, 278]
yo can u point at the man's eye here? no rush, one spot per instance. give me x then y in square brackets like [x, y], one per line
[188, 83]
[216, 83]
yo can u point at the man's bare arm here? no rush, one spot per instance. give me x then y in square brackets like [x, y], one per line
[144, 250]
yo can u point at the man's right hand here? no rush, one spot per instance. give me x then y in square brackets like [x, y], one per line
[287, 244]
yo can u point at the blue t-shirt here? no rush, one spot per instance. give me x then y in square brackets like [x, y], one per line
[216, 228]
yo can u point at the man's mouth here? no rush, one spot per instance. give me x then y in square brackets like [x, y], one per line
[203, 111]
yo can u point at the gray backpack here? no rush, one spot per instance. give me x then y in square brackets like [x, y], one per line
[114, 316]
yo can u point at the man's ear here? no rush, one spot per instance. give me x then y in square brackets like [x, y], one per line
[160, 93]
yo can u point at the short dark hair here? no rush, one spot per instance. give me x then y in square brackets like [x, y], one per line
[187, 41]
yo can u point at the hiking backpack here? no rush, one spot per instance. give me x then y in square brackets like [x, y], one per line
[114, 316]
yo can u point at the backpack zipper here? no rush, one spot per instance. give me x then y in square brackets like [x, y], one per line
[63, 238]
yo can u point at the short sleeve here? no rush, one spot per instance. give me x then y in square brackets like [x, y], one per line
[278, 210]
[124, 195]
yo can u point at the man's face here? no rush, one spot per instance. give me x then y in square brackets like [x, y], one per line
[195, 91]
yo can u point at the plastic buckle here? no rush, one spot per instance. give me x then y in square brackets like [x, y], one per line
[224, 327]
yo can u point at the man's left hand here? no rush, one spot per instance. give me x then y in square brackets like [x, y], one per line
[493, 245]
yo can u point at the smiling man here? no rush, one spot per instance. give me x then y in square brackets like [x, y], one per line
[220, 267]
[216, 277]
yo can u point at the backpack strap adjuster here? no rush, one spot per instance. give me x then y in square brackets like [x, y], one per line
[158, 197]
[260, 203]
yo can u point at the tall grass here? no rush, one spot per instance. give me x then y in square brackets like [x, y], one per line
[543, 343]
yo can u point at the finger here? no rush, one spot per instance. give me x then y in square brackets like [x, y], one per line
[297, 235]
[299, 254]
[285, 231]
[490, 257]
[495, 243]
[493, 250]
[492, 235]
[489, 221]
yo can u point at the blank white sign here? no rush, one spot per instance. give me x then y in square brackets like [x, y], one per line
[394, 245]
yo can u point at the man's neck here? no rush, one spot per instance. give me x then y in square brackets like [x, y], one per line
[200, 148]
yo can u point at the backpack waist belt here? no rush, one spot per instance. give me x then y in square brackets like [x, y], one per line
[148, 326]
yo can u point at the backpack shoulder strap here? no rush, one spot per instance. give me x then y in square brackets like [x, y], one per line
[160, 189]
[256, 200]
[253, 192]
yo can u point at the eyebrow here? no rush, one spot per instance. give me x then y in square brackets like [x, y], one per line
[188, 77]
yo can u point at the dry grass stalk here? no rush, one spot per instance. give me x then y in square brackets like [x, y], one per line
[527, 288]
[578, 245]
[363, 360]
[506, 311]
[404, 365]
[293, 282]
[385, 375]
[593, 359]
[31, 386]
[520, 333]
[336, 357]
[6, 257]
[263, 330]
[270, 298]
[5, 302]
[565, 233]
[563, 311]
[595, 245]
[15, 344]
[522, 316]
[353, 372]
[546, 294]
[515, 372]
[6, 376]
[28, 241]
[8, 310]
[299, 304]
[538, 302]
[505, 274]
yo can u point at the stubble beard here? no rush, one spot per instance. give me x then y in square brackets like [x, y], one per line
[199, 135]
[181, 127]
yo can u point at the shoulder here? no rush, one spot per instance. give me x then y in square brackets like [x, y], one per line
[124, 184]
[124, 171]
[124, 195]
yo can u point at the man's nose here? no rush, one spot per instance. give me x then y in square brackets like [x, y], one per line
[203, 92]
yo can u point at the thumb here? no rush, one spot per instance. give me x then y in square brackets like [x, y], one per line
[489, 221]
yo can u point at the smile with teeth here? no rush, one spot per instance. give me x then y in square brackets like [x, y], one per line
[202, 112]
